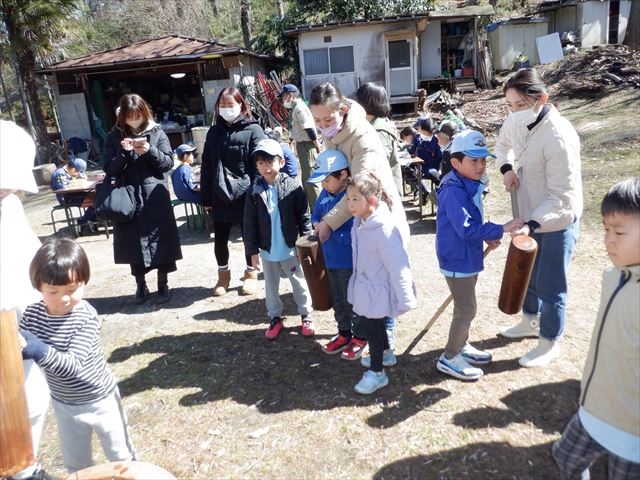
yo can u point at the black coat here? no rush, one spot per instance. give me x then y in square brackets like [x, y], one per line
[294, 214]
[232, 145]
[151, 238]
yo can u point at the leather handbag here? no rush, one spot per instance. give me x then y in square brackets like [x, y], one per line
[115, 201]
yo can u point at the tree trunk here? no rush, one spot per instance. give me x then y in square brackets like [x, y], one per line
[280, 7]
[26, 66]
[214, 7]
[245, 21]
[632, 38]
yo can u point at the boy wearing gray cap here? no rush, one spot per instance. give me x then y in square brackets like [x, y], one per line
[276, 212]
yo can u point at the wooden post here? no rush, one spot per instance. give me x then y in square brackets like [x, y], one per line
[315, 273]
[15, 429]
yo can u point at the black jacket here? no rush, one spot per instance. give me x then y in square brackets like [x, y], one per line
[294, 214]
[232, 145]
[151, 238]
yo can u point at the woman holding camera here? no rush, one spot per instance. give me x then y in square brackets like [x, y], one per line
[138, 151]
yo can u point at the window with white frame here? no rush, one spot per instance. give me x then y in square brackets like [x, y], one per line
[322, 61]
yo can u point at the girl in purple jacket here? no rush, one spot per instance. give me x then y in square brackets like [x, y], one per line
[381, 284]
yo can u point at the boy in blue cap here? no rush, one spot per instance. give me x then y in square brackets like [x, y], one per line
[459, 237]
[182, 177]
[333, 173]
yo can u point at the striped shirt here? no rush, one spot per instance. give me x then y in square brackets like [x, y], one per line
[75, 367]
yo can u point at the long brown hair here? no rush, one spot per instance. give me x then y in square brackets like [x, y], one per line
[133, 105]
[245, 110]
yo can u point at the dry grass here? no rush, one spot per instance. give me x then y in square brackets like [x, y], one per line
[209, 397]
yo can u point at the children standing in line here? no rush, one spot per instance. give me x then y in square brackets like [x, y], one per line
[608, 419]
[183, 177]
[459, 236]
[61, 334]
[381, 285]
[276, 212]
[333, 172]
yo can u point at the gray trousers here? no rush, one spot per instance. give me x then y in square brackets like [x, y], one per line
[293, 271]
[307, 155]
[463, 290]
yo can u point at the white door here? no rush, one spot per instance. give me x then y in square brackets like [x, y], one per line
[400, 68]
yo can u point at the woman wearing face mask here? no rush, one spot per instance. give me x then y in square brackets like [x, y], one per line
[227, 154]
[138, 150]
[538, 153]
[344, 126]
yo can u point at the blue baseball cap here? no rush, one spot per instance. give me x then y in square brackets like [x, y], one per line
[288, 88]
[329, 161]
[185, 148]
[471, 143]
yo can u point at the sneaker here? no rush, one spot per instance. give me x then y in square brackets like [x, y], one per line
[474, 356]
[307, 327]
[163, 294]
[337, 344]
[529, 326]
[371, 381]
[354, 349]
[458, 367]
[543, 354]
[388, 359]
[274, 329]
[142, 293]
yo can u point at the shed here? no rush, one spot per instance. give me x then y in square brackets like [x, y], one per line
[180, 77]
[400, 52]
[512, 37]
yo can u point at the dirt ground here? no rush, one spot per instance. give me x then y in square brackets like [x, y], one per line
[209, 397]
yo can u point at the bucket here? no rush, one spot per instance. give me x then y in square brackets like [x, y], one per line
[467, 71]
[457, 72]
[199, 135]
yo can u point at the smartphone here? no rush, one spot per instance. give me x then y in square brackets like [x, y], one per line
[139, 142]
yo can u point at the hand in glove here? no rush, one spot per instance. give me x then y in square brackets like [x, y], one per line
[35, 349]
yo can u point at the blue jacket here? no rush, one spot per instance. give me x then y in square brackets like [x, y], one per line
[290, 161]
[183, 186]
[428, 151]
[459, 228]
[337, 249]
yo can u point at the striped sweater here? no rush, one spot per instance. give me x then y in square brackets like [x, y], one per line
[75, 367]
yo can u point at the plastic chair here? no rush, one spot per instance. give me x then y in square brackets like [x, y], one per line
[193, 212]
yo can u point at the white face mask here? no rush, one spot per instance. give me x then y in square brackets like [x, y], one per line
[230, 113]
[289, 104]
[525, 117]
[135, 124]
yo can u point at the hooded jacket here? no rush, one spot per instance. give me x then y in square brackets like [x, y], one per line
[459, 228]
[547, 159]
[381, 284]
[151, 238]
[388, 134]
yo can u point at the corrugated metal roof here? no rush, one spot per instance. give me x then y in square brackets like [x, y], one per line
[163, 49]
[474, 11]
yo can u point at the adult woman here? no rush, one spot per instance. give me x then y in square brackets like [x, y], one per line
[373, 98]
[137, 150]
[343, 125]
[549, 193]
[226, 173]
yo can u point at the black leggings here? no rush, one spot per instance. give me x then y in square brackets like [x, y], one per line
[222, 233]
[375, 332]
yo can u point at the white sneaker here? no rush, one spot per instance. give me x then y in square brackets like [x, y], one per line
[529, 326]
[458, 367]
[543, 354]
[474, 356]
[388, 359]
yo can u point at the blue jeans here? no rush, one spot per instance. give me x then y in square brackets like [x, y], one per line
[547, 292]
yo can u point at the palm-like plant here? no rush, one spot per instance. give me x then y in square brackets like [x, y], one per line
[33, 33]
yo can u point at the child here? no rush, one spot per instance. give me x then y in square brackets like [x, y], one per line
[459, 236]
[182, 177]
[381, 284]
[608, 420]
[333, 172]
[276, 212]
[444, 133]
[429, 151]
[62, 335]
[63, 177]
[290, 160]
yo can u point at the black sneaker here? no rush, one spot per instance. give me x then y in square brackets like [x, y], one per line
[163, 294]
[142, 293]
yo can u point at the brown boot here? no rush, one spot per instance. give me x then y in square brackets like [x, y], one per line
[221, 287]
[250, 284]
